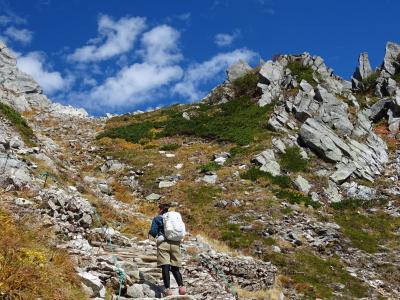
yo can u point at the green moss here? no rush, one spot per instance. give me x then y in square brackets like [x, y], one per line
[292, 161]
[170, 147]
[367, 232]
[254, 173]
[246, 85]
[19, 123]
[211, 166]
[300, 72]
[296, 197]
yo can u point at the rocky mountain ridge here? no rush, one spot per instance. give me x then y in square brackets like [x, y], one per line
[91, 189]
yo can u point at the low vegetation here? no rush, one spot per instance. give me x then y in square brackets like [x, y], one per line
[225, 122]
[254, 174]
[170, 147]
[132, 133]
[211, 166]
[30, 268]
[293, 197]
[367, 231]
[301, 72]
[369, 83]
[247, 85]
[238, 239]
[313, 276]
[292, 161]
[352, 203]
[19, 123]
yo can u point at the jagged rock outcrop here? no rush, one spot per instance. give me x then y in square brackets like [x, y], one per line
[22, 92]
[17, 88]
[391, 62]
[368, 159]
[362, 72]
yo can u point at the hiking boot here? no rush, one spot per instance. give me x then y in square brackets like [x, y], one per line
[182, 290]
[168, 292]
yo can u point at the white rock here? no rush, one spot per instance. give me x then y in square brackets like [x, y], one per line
[166, 184]
[302, 184]
[23, 202]
[92, 282]
[211, 179]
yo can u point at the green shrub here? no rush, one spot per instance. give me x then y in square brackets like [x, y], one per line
[292, 161]
[132, 133]
[369, 83]
[296, 197]
[19, 123]
[300, 72]
[170, 147]
[396, 76]
[236, 121]
[254, 173]
[246, 85]
[211, 166]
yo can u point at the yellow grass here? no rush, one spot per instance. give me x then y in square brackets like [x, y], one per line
[30, 268]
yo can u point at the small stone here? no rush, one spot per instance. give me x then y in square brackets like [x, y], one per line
[153, 197]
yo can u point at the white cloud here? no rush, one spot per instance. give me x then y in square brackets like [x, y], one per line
[202, 73]
[134, 85]
[225, 39]
[9, 17]
[160, 45]
[142, 81]
[23, 36]
[33, 64]
[115, 38]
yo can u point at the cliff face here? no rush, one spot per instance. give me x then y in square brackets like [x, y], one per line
[286, 175]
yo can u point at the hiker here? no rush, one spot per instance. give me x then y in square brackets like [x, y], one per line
[169, 230]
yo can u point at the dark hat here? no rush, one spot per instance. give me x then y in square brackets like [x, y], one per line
[164, 207]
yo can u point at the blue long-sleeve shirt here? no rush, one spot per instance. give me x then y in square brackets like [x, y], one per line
[157, 227]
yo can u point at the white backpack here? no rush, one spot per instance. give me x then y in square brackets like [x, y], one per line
[174, 228]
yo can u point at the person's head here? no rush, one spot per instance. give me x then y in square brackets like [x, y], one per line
[163, 208]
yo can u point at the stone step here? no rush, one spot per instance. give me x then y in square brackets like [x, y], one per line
[174, 297]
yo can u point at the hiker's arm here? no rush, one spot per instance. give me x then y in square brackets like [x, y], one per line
[154, 228]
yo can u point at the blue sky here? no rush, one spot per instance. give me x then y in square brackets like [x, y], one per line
[124, 55]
